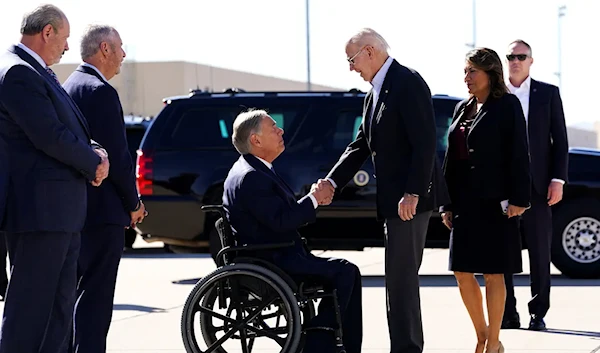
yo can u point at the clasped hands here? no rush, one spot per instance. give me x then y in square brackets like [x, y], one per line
[102, 168]
[323, 191]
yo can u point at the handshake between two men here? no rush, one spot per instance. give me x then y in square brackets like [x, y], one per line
[323, 192]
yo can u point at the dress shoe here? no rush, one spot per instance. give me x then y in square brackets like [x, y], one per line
[537, 324]
[511, 322]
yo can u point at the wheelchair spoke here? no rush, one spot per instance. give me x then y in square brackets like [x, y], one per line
[251, 344]
[273, 336]
[217, 315]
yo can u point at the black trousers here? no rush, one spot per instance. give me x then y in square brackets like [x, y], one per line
[38, 309]
[346, 278]
[537, 227]
[404, 244]
[101, 250]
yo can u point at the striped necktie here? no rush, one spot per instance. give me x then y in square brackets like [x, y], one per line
[51, 73]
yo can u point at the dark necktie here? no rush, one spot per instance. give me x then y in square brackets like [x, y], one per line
[51, 73]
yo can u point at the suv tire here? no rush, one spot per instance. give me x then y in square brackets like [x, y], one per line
[576, 238]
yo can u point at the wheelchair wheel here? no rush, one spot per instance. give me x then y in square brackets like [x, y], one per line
[241, 305]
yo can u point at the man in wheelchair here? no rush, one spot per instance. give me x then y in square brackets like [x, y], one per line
[261, 208]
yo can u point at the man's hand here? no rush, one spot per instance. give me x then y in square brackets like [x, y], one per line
[407, 207]
[102, 168]
[447, 219]
[139, 215]
[323, 191]
[555, 193]
[515, 210]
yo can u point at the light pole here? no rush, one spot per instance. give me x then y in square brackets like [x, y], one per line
[308, 85]
[561, 13]
[474, 22]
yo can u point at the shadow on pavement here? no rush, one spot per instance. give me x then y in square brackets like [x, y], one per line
[521, 280]
[142, 308]
[573, 332]
[450, 281]
[159, 253]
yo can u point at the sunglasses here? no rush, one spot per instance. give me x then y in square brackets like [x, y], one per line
[521, 57]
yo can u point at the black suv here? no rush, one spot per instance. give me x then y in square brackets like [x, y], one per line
[187, 152]
[135, 128]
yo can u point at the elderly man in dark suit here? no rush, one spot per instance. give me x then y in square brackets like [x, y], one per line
[115, 204]
[549, 153]
[398, 133]
[51, 160]
[262, 208]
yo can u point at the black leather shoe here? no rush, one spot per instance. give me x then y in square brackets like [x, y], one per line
[537, 324]
[511, 322]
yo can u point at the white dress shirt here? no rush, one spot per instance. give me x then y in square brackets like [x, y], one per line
[270, 166]
[522, 92]
[377, 83]
[33, 54]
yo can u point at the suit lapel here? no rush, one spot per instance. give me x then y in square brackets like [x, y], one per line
[534, 101]
[478, 116]
[42, 71]
[367, 107]
[285, 189]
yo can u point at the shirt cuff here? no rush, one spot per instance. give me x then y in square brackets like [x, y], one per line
[314, 200]
[332, 182]
[559, 181]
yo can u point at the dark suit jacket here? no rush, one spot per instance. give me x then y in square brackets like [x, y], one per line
[50, 155]
[112, 202]
[401, 142]
[548, 143]
[4, 176]
[261, 207]
[498, 152]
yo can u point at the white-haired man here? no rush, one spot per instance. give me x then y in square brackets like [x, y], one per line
[398, 133]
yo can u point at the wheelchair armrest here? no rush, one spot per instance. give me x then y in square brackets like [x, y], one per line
[215, 208]
[255, 247]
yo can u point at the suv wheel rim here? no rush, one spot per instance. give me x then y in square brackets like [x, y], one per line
[581, 240]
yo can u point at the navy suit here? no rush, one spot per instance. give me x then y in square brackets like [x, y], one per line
[3, 190]
[263, 209]
[51, 162]
[108, 211]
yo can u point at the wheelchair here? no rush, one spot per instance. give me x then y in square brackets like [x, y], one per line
[248, 302]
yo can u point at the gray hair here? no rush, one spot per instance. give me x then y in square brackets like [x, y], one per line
[92, 37]
[246, 124]
[368, 36]
[35, 21]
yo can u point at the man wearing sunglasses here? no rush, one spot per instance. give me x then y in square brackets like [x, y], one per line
[548, 147]
[398, 133]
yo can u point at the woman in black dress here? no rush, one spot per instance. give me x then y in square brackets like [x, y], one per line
[487, 172]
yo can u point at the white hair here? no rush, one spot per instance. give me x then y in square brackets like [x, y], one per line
[368, 36]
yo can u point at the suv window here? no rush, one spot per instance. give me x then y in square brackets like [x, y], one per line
[444, 109]
[346, 129]
[211, 127]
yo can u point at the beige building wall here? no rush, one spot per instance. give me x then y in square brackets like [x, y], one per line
[583, 137]
[143, 85]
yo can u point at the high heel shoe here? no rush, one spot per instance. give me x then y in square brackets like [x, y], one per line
[500, 349]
